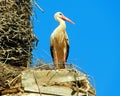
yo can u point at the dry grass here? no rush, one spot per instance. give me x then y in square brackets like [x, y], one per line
[16, 33]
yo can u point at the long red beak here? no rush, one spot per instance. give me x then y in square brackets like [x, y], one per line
[67, 19]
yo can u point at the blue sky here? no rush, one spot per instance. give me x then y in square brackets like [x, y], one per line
[94, 38]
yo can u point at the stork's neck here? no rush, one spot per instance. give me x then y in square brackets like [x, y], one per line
[62, 24]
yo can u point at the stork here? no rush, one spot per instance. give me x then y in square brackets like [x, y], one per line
[59, 43]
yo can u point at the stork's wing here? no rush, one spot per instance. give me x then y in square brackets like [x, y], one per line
[67, 45]
[67, 53]
[51, 48]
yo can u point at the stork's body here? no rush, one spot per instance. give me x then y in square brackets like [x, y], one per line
[59, 43]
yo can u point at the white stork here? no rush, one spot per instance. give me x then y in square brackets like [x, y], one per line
[59, 44]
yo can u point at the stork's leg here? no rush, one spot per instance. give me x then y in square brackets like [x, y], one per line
[64, 58]
[56, 60]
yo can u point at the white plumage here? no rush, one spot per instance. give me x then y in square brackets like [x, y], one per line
[59, 43]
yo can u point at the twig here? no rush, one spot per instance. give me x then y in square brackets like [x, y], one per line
[37, 83]
[14, 80]
[79, 68]
[51, 77]
[91, 79]
[38, 7]
[46, 53]
[6, 58]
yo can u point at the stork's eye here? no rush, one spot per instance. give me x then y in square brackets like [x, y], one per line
[60, 13]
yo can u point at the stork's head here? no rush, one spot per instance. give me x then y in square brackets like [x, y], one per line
[60, 15]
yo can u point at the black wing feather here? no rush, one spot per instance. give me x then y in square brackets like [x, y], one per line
[51, 50]
[67, 52]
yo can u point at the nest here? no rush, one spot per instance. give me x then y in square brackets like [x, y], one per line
[8, 75]
[16, 34]
[60, 82]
